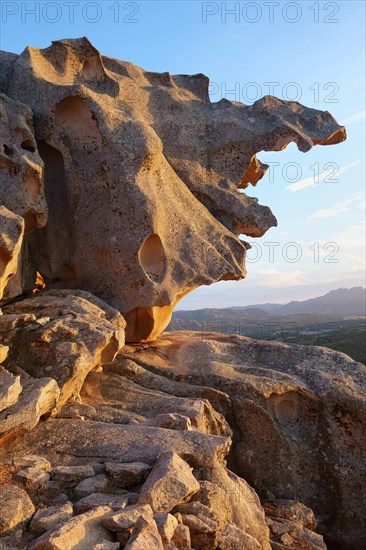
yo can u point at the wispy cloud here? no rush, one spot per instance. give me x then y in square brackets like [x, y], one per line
[354, 118]
[311, 182]
[275, 278]
[343, 206]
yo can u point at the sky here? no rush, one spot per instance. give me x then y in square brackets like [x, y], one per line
[312, 52]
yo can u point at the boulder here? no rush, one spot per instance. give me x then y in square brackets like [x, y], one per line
[125, 519]
[61, 334]
[10, 389]
[170, 483]
[16, 508]
[48, 518]
[90, 485]
[292, 511]
[168, 140]
[166, 524]
[32, 461]
[145, 536]
[127, 475]
[182, 537]
[81, 532]
[31, 478]
[38, 398]
[233, 538]
[72, 474]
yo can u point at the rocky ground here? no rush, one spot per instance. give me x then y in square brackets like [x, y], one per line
[144, 454]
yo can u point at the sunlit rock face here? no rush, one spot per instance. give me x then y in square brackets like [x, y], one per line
[23, 206]
[21, 167]
[142, 176]
[11, 238]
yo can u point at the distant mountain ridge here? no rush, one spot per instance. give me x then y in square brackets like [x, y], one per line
[340, 302]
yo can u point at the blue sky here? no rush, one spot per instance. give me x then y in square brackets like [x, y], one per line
[313, 52]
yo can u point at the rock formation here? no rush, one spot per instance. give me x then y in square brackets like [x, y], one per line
[142, 176]
[11, 239]
[123, 194]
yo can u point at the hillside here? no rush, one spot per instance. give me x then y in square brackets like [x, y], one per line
[335, 320]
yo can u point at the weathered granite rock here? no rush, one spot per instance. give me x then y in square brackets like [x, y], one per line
[90, 485]
[170, 482]
[31, 461]
[233, 538]
[166, 524]
[72, 474]
[46, 519]
[21, 189]
[21, 167]
[16, 507]
[38, 398]
[114, 135]
[115, 502]
[73, 442]
[31, 478]
[127, 475]
[125, 519]
[10, 389]
[4, 350]
[11, 239]
[81, 532]
[182, 537]
[292, 511]
[291, 523]
[198, 517]
[61, 334]
[145, 536]
[298, 419]
[135, 402]
[107, 545]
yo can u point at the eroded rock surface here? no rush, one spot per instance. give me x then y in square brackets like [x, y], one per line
[21, 167]
[21, 193]
[63, 335]
[15, 507]
[112, 135]
[298, 417]
[11, 239]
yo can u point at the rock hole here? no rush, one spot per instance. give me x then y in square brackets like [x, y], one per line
[54, 243]
[74, 115]
[284, 408]
[28, 145]
[152, 258]
[286, 411]
[8, 150]
[92, 68]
